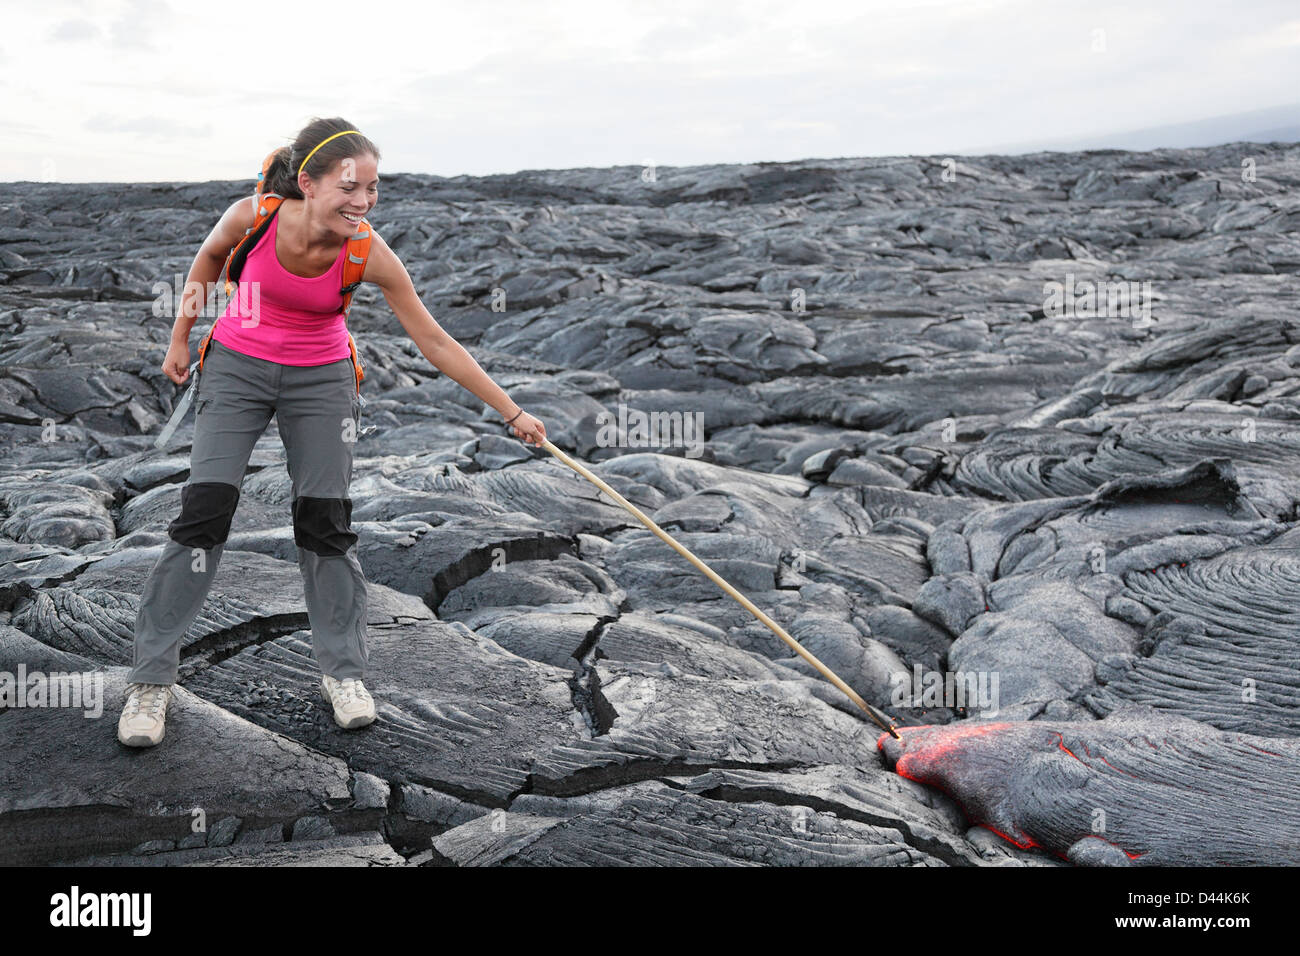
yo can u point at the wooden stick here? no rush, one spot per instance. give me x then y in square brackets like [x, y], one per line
[883, 720]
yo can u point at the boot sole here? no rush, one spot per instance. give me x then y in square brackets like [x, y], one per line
[140, 740]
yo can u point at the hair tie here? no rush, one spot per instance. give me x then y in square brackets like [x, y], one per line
[322, 143]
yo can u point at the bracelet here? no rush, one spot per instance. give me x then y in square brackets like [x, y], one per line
[514, 416]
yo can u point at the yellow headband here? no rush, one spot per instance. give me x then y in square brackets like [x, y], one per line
[322, 143]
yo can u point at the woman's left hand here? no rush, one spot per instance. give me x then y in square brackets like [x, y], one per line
[529, 428]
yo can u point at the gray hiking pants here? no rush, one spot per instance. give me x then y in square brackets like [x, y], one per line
[317, 412]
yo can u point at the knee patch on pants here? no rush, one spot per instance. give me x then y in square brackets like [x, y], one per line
[207, 509]
[322, 525]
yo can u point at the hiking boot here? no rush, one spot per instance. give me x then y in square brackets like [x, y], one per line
[353, 705]
[144, 715]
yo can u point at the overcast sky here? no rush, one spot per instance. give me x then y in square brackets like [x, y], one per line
[147, 90]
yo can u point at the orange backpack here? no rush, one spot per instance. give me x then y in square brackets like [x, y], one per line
[267, 204]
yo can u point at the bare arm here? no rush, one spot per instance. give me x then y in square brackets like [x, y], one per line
[386, 270]
[207, 266]
[204, 272]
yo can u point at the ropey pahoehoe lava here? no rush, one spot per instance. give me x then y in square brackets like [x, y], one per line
[913, 451]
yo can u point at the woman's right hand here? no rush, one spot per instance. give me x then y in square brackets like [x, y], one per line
[529, 428]
[176, 366]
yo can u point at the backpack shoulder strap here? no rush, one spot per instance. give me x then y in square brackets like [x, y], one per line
[265, 207]
[354, 267]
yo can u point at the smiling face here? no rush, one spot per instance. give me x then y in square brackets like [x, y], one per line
[347, 192]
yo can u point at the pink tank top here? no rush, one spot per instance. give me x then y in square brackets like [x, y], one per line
[285, 318]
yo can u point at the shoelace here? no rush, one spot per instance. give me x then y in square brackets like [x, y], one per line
[149, 697]
[351, 690]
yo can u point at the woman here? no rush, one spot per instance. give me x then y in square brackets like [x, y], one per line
[285, 350]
